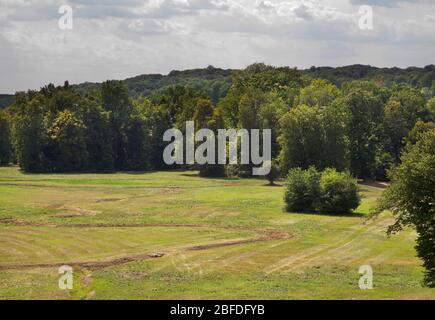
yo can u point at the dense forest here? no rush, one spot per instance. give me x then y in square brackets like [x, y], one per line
[216, 82]
[359, 125]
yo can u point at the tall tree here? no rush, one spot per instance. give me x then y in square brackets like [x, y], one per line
[67, 135]
[5, 139]
[98, 135]
[158, 120]
[116, 100]
[301, 139]
[312, 136]
[365, 114]
[30, 133]
[411, 198]
[138, 142]
[405, 107]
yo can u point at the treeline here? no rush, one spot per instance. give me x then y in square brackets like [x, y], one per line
[213, 81]
[58, 130]
[216, 82]
[361, 127]
[416, 77]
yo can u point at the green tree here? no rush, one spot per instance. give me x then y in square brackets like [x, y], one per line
[30, 137]
[269, 114]
[405, 107]
[301, 138]
[180, 102]
[98, 136]
[365, 113]
[318, 94]
[138, 144]
[67, 134]
[338, 192]
[411, 198]
[115, 99]
[158, 120]
[206, 117]
[419, 129]
[253, 82]
[5, 139]
[203, 113]
[335, 144]
[312, 136]
[431, 108]
[302, 191]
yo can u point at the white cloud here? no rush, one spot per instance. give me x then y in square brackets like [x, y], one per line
[117, 39]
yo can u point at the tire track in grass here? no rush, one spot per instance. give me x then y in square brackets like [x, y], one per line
[302, 259]
[262, 235]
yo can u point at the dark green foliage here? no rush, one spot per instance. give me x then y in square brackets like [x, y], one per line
[205, 117]
[137, 146]
[303, 190]
[30, 135]
[338, 192]
[274, 173]
[418, 131]
[431, 109]
[318, 94]
[312, 136]
[411, 198]
[388, 77]
[159, 121]
[5, 139]
[57, 130]
[362, 127]
[405, 107]
[116, 101]
[67, 143]
[214, 82]
[98, 137]
[249, 90]
[6, 100]
[329, 192]
[365, 114]
[180, 102]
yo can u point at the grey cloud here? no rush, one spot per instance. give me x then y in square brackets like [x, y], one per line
[389, 3]
[117, 39]
[303, 12]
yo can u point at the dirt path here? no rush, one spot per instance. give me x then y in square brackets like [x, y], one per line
[262, 235]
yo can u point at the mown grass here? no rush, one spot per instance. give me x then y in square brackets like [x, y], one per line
[55, 219]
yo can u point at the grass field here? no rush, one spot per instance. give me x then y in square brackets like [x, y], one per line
[174, 235]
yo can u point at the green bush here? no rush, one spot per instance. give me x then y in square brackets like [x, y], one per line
[302, 190]
[329, 192]
[338, 192]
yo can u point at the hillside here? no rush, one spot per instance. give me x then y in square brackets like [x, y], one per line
[216, 82]
[416, 77]
[5, 100]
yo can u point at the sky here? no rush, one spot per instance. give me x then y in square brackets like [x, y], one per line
[119, 39]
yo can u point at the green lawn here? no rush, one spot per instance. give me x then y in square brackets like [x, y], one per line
[174, 235]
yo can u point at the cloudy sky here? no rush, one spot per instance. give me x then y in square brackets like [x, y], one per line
[117, 39]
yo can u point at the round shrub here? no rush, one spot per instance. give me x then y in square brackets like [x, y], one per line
[338, 192]
[302, 190]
